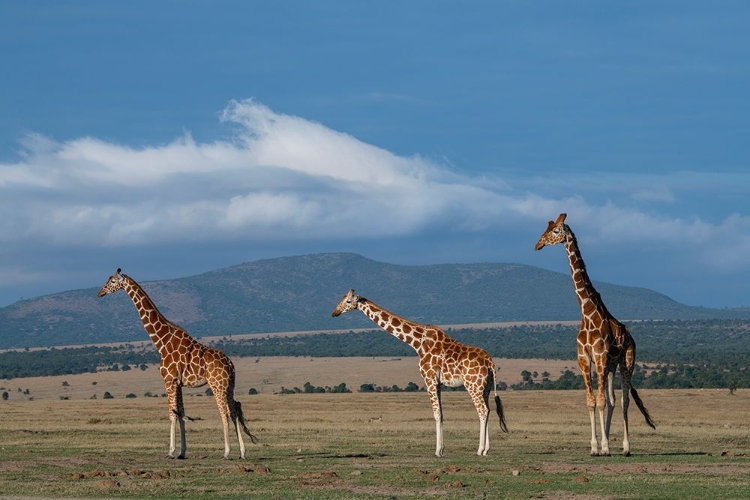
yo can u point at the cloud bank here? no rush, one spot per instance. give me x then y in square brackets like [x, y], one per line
[283, 177]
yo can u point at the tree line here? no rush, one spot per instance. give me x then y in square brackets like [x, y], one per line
[671, 353]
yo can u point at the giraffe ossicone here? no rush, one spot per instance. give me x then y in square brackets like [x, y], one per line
[602, 341]
[441, 360]
[185, 362]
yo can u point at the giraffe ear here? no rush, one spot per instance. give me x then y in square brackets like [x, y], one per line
[561, 218]
[550, 225]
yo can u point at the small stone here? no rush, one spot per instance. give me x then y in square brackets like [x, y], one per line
[516, 472]
[581, 479]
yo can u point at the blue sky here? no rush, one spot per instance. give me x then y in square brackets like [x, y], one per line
[173, 138]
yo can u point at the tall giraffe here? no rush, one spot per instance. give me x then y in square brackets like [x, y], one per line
[185, 362]
[602, 340]
[441, 360]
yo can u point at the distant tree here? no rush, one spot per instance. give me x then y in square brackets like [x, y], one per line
[209, 392]
[5, 395]
[130, 396]
[143, 367]
[411, 387]
[341, 388]
[253, 391]
[107, 395]
[64, 384]
[367, 388]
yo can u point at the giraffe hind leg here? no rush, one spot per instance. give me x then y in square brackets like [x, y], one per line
[481, 402]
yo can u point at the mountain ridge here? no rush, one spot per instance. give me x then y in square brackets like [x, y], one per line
[299, 292]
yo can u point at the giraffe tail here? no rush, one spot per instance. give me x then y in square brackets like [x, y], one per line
[641, 407]
[498, 403]
[241, 420]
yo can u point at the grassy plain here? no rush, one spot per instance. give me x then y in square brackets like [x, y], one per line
[324, 446]
[266, 375]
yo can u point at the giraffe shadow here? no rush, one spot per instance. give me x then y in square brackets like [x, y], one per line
[677, 454]
[369, 456]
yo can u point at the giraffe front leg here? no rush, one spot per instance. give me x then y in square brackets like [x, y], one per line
[176, 414]
[602, 403]
[433, 389]
[585, 367]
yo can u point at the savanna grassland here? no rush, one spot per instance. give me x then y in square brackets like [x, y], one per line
[326, 446]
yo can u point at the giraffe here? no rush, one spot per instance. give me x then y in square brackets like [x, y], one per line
[441, 360]
[602, 340]
[185, 362]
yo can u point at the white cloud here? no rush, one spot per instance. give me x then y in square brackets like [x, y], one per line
[283, 177]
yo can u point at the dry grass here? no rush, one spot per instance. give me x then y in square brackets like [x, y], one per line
[266, 374]
[324, 446]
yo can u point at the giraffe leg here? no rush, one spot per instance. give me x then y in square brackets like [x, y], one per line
[610, 398]
[433, 389]
[626, 372]
[221, 401]
[481, 402]
[176, 414]
[235, 420]
[602, 403]
[583, 363]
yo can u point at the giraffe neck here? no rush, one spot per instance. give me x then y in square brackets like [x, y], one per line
[156, 325]
[585, 291]
[404, 330]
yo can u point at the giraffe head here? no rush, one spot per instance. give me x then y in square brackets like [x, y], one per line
[113, 283]
[555, 233]
[348, 303]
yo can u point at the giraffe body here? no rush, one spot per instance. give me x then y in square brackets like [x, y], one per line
[185, 362]
[603, 342]
[441, 360]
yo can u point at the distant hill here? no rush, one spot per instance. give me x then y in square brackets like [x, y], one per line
[299, 293]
